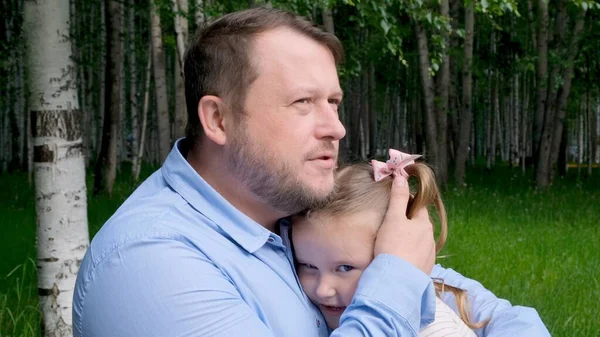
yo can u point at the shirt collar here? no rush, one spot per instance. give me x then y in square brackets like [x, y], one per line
[182, 178]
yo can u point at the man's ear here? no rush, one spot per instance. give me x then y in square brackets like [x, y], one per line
[212, 113]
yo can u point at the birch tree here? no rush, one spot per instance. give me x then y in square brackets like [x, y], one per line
[160, 83]
[198, 12]
[139, 151]
[442, 87]
[61, 204]
[328, 23]
[541, 73]
[133, 89]
[106, 168]
[180, 8]
[466, 114]
[558, 93]
[427, 86]
[563, 94]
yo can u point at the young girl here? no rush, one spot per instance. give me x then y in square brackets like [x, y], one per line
[334, 244]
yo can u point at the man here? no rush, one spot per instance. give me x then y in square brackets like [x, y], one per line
[199, 250]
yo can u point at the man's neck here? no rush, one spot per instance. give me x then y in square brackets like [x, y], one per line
[235, 192]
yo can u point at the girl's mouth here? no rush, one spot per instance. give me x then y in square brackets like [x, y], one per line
[333, 309]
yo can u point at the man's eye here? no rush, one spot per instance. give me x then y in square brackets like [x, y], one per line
[303, 101]
[345, 268]
[334, 101]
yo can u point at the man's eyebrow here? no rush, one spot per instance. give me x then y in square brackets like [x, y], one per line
[339, 93]
[313, 91]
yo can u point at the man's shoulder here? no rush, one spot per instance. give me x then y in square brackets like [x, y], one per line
[153, 211]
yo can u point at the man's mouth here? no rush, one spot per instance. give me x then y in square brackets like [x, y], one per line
[325, 161]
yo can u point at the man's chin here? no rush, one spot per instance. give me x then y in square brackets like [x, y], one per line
[323, 192]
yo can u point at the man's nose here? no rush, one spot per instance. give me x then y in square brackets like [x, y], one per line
[329, 124]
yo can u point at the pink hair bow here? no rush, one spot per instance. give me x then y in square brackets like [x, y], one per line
[395, 165]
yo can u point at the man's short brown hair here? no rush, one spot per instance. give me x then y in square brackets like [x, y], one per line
[218, 61]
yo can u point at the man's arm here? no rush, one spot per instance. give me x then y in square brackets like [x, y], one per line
[506, 320]
[393, 298]
[163, 287]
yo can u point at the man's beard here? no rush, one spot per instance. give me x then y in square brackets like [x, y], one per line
[270, 178]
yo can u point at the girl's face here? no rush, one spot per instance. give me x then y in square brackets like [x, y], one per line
[332, 253]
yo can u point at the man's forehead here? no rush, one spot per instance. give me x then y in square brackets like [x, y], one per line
[287, 46]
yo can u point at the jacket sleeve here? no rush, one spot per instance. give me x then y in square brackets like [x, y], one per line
[506, 320]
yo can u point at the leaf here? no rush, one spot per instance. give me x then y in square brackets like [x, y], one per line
[584, 5]
[484, 5]
[385, 25]
[391, 47]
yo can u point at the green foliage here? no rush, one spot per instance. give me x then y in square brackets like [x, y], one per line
[496, 8]
[587, 4]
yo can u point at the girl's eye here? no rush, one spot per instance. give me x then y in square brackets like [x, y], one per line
[345, 268]
[306, 265]
[335, 102]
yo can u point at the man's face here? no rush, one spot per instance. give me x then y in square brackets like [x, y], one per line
[285, 147]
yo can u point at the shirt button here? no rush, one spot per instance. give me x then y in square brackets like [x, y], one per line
[271, 240]
[318, 323]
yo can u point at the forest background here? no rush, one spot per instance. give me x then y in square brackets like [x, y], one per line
[501, 96]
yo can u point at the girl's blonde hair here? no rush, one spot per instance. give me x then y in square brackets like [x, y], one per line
[357, 190]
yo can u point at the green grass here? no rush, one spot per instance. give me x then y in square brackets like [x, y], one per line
[18, 281]
[533, 248]
[539, 249]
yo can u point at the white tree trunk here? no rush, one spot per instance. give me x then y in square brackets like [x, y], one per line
[180, 106]
[160, 83]
[123, 131]
[515, 124]
[180, 7]
[133, 88]
[327, 16]
[402, 136]
[524, 124]
[61, 204]
[199, 15]
[137, 164]
[103, 69]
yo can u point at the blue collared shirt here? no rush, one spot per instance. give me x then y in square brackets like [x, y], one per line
[177, 259]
